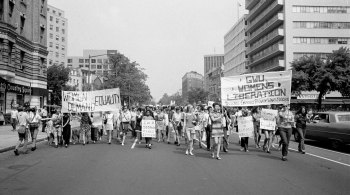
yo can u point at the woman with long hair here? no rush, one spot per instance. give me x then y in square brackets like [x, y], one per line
[217, 132]
[286, 122]
[85, 127]
[66, 129]
[301, 118]
[190, 120]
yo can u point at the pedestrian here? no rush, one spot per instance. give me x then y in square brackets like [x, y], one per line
[226, 126]
[137, 134]
[2, 118]
[133, 121]
[160, 123]
[109, 121]
[286, 121]
[85, 127]
[217, 133]
[148, 117]
[200, 125]
[57, 127]
[125, 125]
[244, 140]
[34, 121]
[171, 127]
[207, 125]
[14, 113]
[43, 114]
[23, 120]
[176, 120]
[301, 119]
[256, 113]
[190, 121]
[66, 129]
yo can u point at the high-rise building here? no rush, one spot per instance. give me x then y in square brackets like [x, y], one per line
[57, 35]
[280, 31]
[235, 49]
[213, 67]
[191, 80]
[95, 60]
[22, 53]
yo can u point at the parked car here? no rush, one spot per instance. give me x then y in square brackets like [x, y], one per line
[329, 127]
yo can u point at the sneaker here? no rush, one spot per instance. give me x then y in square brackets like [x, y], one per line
[122, 144]
[186, 152]
[66, 146]
[284, 158]
[191, 153]
[33, 148]
[218, 158]
[16, 152]
[242, 149]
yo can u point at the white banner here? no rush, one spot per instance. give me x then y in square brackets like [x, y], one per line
[91, 101]
[257, 89]
[268, 119]
[245, 126]
[148, 128]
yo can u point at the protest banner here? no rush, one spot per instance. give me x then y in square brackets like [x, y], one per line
[245, 126]
[148, 128]
[268, 119]
[256, 89]
[91, 101]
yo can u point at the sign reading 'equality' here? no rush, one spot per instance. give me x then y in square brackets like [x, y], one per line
[91, 101]
[256, 89]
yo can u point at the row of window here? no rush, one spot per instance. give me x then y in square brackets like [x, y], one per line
[57, 46]
[55, 63]
[57, 55]
[57, 20]
[105, 67]
[331, 25]
[63, 39]
[54, 12]
[266, 51]
[92, 61]
[321, 9]
[323, 40]
[58, 29]
[300, 55]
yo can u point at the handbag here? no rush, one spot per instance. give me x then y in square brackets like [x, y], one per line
[33, 125]
[21, 129]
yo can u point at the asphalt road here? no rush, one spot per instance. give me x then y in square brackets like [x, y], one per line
[165, 169]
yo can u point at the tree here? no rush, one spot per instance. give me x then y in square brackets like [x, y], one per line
[57, 78]
[129, 78]
[322, 75]
[197, 94]
[165, 100]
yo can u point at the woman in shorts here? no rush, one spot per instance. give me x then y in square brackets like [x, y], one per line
[34, 121]
[176, 120]
[217, 133]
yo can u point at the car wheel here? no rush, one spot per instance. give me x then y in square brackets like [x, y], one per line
[336, 144]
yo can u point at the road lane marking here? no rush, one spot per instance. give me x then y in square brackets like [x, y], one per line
[326, 149]
[323, 158]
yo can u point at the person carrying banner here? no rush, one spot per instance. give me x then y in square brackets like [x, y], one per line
[190, 121]
[217, 133]
[286, 121]
[244, 140]
[148, 117]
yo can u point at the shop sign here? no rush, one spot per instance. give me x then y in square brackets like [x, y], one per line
[15, 88]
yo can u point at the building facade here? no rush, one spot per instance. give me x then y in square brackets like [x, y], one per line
[213, 66]
[279, 31]
[191, 80]
[235, 49]
[57, 33]
[78, 77]
[95, 60]
[23, 53]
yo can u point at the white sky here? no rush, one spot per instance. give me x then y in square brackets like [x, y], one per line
[166, 37]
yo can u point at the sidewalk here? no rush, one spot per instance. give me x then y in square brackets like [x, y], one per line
[8, 138]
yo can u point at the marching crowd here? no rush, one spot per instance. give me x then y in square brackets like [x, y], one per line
[210, 126]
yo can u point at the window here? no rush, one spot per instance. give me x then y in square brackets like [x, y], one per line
[86, 60]
[22, 21]
[57, 29]
[54, 11]
[63, 39]
[63, 31]
[63, 22]
[93, 60]
[59, 13]
[81, 65]
[93, 66]
[62, 55]
[57, 38]
[105, 67]
[11, 7]
[51, 27]
[51, 18]
[50, 44]
[99, 61]
[57, 20]
[57, 55]
[332, 40]
[99, 66]
[57, 46]
[320, 24]
[50, 62]
[21, 60]
[70, 61]
[81, 60]
[51, 36]
[87, 66]
[42, 7]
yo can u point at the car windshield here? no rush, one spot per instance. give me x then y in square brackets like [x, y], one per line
[344, 117]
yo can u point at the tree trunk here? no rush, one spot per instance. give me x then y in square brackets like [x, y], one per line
[319, 99]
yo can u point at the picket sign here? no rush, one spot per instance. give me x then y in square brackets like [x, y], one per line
[245, 126]
[268, 119]
[148, 128]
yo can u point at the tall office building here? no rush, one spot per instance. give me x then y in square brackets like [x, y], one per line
[279, 31]
[57, 33]
[95, 60]
[191, 80]
[22, 53]
[235, 49]
[213, 65]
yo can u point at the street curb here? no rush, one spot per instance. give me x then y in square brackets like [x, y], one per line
[13, 147]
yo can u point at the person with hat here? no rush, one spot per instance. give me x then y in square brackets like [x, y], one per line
[217, 133]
